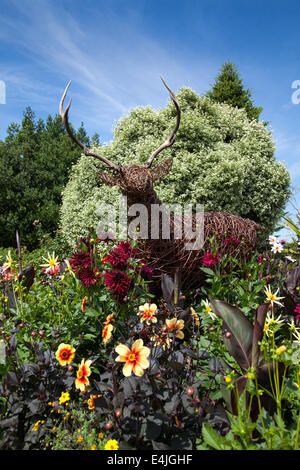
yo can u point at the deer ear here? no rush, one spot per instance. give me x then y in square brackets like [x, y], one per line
[161, 169]
[110, 180]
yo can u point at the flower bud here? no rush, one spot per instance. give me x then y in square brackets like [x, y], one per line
[108, 425]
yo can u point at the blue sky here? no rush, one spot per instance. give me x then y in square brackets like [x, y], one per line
[115, 51]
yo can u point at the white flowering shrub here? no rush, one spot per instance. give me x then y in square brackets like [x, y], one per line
[221, 160]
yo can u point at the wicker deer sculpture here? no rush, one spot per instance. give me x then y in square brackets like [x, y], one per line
[170, 255]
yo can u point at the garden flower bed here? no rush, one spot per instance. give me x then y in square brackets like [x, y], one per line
[91, 360]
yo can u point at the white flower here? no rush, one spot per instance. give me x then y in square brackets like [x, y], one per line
[292, 326]
[277, 248]
[52, 264]
[272, 297]
[208, 310]
[271, 320]
[273, 239]
[9, 262]
[290, 259]
[296, 334]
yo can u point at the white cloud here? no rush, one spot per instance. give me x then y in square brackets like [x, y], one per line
[113, 64]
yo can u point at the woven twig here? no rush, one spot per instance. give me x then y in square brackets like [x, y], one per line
[165, 256]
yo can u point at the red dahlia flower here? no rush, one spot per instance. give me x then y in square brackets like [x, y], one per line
[87, 277]
[209, 259]
[117, 258]
[79, 260]
[231, 241]
[118, 282]
[120, 255]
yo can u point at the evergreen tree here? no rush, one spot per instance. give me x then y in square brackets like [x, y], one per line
[35, 160]
[228, 88]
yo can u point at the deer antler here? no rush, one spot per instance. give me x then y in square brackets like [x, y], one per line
[87, 152]
[171, 138]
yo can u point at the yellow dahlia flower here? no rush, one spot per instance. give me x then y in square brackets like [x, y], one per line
[135, 358]
[175, 325]
[147, 313]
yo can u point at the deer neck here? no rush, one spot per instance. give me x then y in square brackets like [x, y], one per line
[146, 199]
[142, 212]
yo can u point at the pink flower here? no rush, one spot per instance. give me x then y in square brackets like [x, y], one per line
[52, 271]
[297, 312]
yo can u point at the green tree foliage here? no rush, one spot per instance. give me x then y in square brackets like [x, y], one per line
[228, 88]
[35, 159]
[221, 160]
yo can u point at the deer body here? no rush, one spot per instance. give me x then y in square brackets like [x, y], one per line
[169, 254]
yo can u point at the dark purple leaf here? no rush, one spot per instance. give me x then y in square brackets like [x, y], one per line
[240, 332]
[258, 331]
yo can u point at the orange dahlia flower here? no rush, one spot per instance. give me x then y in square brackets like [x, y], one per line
[135, 358]
[83, 372]
[106, 332]
[65, 354]
[109, 319]
[83, 304]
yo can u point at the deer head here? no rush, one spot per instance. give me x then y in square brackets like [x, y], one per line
[132, 179]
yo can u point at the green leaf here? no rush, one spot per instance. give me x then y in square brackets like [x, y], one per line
[212, 438]
[208, 271]
[103, 298]
[90, 337]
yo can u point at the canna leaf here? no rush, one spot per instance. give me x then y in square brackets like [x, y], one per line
[167, 286]
[293, 281]
[239, 344]
[258, 331]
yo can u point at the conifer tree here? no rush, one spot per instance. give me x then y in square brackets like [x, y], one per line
[228, 88]
[35, 160]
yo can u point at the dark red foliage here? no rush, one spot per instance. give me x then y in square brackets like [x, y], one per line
[145, 334]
